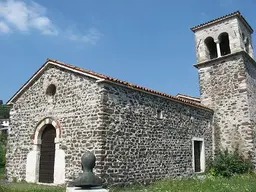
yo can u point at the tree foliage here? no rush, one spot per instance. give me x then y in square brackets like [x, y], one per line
[3, 141]
[4, 114]
[4, 111]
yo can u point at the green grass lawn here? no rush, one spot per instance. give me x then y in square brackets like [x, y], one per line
[239, 183]
[25, 187]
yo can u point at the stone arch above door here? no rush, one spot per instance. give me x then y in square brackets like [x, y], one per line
[40, 127]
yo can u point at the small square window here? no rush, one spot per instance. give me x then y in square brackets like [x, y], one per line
[159, 114]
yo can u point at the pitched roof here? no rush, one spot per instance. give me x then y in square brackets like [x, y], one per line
[100, 78]
[234, 14]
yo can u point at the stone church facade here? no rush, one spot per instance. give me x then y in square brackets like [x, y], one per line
[137, 134]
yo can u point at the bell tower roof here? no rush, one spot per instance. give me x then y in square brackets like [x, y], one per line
[223, 18]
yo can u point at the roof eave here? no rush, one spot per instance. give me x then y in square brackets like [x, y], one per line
[99, 78]
[39, 71]
[223, 18]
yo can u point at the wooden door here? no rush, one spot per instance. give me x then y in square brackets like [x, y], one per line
[197, 155]
[46, 166]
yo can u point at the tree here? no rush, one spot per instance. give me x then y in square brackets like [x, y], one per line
[4, 111]
[3, 141]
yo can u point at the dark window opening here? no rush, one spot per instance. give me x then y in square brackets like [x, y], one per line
[197, 155]
[246, 43]
[211, 47]
[51, 90]
[243, 36]
[247, 46]
[224, 44]
[159, 114]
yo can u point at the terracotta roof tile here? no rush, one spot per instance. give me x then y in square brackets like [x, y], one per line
[130, 85]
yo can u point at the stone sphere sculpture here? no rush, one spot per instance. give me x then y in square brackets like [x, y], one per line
[87, 179]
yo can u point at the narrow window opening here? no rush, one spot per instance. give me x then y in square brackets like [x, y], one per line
[198, 156]
[51, 90]
[246, 43]
[243, 36]
[247, 46]
[159, 114]
[211, 48]
[224, 44]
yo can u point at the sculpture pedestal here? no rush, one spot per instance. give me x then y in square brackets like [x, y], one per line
[78, 189]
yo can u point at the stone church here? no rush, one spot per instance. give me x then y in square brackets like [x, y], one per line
[137, 134]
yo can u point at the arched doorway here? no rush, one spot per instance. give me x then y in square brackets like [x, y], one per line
[46, 158]
[47, 155]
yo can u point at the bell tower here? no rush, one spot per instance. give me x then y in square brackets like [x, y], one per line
[222, 36]
[227, 79]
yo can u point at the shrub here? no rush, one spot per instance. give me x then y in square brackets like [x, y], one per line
[2, 156]
[227, 164]
[3, 139]
[4, 111]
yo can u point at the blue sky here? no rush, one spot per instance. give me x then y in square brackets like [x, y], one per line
[146, 42]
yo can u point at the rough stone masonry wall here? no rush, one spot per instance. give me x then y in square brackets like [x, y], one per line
[142, 148]
[76, 105]
[223, 87]
[251, 92]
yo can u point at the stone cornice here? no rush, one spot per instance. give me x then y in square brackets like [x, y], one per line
[219, 59]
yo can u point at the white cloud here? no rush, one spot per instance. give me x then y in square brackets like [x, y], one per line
[44, 25]
[26, 16]
[4, 28]
[91, 37]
